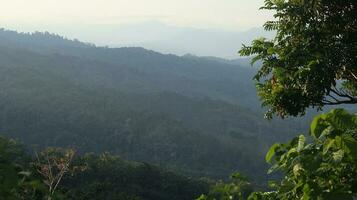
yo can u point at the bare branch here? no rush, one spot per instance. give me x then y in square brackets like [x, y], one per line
[343, 94]
[334, 98]
[340, 102]
[53, 166]
[354, 75]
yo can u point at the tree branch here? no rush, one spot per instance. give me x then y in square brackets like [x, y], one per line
[354, 75]
[339, 102]
[343, 94]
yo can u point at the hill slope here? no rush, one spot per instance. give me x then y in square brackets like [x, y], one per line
[193, 115]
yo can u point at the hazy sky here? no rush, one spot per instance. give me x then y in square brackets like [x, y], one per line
[201, 27]
[217, 14]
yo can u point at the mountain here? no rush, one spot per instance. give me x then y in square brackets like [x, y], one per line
[197, 116]
[242, 62]
[162, 37]
[181, 40]
[204, 77]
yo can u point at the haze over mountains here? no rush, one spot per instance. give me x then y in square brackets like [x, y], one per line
[160, 37]
[196, 115]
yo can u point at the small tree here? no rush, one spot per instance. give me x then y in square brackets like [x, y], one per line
[53, 164]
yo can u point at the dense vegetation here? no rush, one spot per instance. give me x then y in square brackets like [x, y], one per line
[322, 166]
[325, 168]
[91, 176]
[183, 113]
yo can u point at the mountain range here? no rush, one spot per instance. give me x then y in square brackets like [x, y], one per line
[160, 37]
[199, 116]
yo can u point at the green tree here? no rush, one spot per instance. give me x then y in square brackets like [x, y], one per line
[16, 179]
[238, 189]
[311, 62]
[325, 168]
[10, 156]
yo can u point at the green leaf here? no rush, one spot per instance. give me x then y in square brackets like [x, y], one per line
[351, 144]
[338, 155]
[271, 50]
[318, 126]
[329, 143]
[271, 152]
[341, 119]
[202, 197]
[296, 169]
[307, 192]
[301, 143]
[25, 173]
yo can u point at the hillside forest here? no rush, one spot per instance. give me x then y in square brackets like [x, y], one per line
[80, 121]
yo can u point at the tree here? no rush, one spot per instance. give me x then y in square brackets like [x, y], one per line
[53, 164]
[16, 179]
[238, 189]
[11, 156]
[311, 62]
[326, 168]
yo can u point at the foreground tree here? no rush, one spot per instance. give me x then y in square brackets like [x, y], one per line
[325, 168]
[312, 60]
[311, 63]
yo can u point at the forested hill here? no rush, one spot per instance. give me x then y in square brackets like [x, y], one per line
[144, 70]
[197, 116]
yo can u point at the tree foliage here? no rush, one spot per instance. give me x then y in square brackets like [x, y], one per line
[311, 62]
[109, 177]
[325, 168]
[17, 181]
[238, 189]
[56, 174]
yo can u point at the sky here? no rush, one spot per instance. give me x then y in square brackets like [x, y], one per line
[216, 14]
[200, 27]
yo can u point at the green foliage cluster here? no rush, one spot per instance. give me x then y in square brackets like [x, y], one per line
[320, 167]
[16, 179]
[238, 189]
[103, 176]
[312, 60]
[325, 168]
[110, 177]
